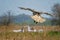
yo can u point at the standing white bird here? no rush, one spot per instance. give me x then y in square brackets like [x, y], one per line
[36, 15]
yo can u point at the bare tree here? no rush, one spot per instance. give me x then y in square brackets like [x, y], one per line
[6, 19]
[56, 12]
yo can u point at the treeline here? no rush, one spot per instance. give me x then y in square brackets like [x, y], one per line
[56, 13]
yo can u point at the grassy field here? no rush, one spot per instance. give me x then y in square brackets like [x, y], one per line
[5, 34]
[29, 36]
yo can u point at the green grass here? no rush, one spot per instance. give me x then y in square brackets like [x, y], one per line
[52, 33]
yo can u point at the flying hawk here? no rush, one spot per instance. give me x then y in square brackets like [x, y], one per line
[36, 15]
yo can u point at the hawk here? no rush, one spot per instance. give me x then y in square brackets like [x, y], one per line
[36, 15]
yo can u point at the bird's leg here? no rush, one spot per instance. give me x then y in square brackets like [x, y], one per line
[35, 22]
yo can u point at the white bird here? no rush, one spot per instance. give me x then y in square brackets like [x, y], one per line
[19, 30]
[36, 15]
[30, 30]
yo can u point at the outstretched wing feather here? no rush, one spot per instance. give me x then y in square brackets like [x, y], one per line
[48, 14]
[27, 9]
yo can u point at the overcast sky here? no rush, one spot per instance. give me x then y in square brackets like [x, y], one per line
[39, 5]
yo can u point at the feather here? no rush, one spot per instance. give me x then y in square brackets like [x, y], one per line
[38, 18]
[27, 9]
[47, 14]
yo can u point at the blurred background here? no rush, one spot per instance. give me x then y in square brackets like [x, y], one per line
[10, 13]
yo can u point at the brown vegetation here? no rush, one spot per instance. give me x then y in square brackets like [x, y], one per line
[7, 34]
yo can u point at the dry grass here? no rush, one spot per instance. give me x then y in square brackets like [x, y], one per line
[7, 34]
[28, 36]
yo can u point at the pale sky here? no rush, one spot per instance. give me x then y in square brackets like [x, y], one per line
[39, 5]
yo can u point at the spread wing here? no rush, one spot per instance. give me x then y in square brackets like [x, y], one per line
[34, 12]
[47, 14]
[27, 9]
